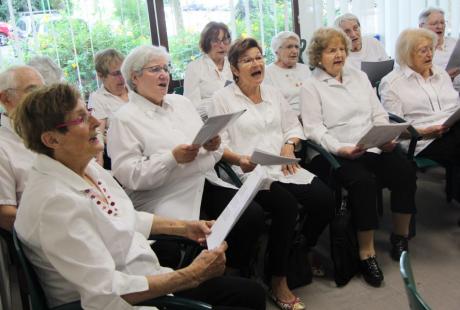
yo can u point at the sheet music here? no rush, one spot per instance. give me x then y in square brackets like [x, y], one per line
[214, 125]
[235, 208]
[453, 118]
[267, 159]
[454, 60]
[378, 135]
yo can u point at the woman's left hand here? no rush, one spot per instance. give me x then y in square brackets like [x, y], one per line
[212, 144]
[198, 230]
[288, 151]
[389, 146]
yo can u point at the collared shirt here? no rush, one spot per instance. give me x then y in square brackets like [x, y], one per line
[202, 79]
[265, 126]
[338, 114]
[81, 247]
[442, 55]
[288, 81]
[140, 143]
[105, 104]
[428, 102]
[15, 163]
[371, 50]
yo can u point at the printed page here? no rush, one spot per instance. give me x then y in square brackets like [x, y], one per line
[267, 159]
[378, 135]
[214, 125]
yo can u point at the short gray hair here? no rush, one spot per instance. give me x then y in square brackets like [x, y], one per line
[8, 77]
[50, 72]
[422, 18]
[138, 58]
[346, 17]
[407, 41]
[279, 39]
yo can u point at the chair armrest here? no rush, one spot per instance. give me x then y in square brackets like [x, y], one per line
[175, 302]
[415, 136]
[318, 148]
[229, 171]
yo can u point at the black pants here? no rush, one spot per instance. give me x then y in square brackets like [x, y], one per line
[446, 149]
[228, 293]
[242, 239]
[362, 177]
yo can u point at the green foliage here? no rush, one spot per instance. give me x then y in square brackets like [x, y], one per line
[184, 49]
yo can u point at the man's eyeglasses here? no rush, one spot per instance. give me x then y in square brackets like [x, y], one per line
[84, 118]
[248, 60]
[157, 69]
[115, 73]
[217, 41]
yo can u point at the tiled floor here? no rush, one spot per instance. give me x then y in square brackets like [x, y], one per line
[434, 253]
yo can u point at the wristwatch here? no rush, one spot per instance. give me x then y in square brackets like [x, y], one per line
[290, 142]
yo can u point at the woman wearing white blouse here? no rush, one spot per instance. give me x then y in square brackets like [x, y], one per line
[211, 71]
[149, 142]
[285, 73]
[80, 230]
[338, 105]
[423, 94]
[269, 124]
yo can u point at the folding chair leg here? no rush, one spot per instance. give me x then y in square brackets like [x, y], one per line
[412, 228]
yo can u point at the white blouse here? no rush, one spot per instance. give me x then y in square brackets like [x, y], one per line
[81, 247]
[338, 114]
[441, 57]
[15, 163]
[266, 126]
[371, 50]
[140, 143]
[288, 81]
[104, 103]
[407, 94]
[202, 79]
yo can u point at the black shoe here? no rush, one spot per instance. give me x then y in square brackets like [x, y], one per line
[399, 244]
[371, 271]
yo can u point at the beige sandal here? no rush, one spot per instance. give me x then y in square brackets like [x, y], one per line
[295, 304]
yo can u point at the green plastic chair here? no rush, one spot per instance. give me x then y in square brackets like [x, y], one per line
[38, 300]
[416, 301]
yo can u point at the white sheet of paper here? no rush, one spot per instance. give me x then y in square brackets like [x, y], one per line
[267, 159]
[214, 125]
[235, 208]
[454, 60]
[453, 118]
[378, 135]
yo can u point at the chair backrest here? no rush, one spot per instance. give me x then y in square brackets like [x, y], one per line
[179, 90]
[377, 70]
[303, 46]
[415, 300]
[37, 296]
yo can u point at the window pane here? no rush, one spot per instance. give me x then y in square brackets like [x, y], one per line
[70, 32]
[185, 19]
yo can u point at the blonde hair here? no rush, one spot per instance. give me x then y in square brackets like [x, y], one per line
[408, 40]
[320, 41]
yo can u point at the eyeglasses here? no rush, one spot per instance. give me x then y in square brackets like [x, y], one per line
[217, 41]
[437, 23]
[84, 118]
[424, 50]
[248, 60]
[115, 73]
[291, 46]
[157, 69]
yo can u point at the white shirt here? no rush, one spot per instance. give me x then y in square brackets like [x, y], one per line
[15, 163]
[288, 81]
[80, 249]
[441, 57]
[140, 143]
[407, 94]
[105, 104]
[202, 79]
[371, 50]
[338, 114]
[266, 126]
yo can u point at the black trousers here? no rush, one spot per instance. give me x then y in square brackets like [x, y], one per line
[446, 149]
[362, 177]
[228, 293]
[242, 239]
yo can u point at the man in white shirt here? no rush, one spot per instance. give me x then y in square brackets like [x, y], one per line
[15, 159]
[433, 19]
[362, 48]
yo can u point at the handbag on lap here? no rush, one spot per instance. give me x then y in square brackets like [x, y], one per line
[344, 245]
